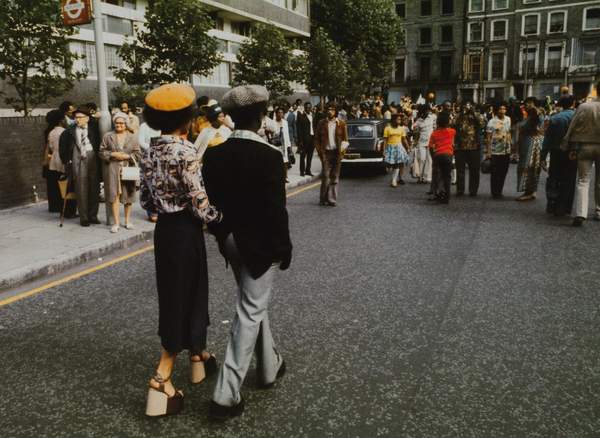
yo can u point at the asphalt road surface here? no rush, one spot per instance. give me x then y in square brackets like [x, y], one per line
[398, 318]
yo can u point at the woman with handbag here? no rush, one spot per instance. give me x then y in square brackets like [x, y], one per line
[53, 167]
[280, 138]
[120, 149]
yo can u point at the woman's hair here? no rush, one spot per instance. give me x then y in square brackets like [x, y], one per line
[532, 123]
[396, 117]
[54, 118]
[168, 121]
[443, 119]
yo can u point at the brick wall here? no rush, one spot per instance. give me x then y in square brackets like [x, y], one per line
[21, 151]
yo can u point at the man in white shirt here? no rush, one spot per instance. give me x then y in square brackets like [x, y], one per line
[331, 137]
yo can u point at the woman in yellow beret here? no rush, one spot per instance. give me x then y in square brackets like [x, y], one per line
[172, 185]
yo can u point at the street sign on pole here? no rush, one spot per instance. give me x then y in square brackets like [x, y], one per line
[76, 12]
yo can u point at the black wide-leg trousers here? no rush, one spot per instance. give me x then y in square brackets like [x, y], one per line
[182, 282]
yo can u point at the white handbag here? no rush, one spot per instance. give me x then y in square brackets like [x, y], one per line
[130, 173]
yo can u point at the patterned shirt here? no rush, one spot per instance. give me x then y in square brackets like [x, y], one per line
[171, 179]
[500, 130]
[467, 129]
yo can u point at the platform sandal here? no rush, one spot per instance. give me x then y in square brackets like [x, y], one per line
[201, 369]
[159, 403]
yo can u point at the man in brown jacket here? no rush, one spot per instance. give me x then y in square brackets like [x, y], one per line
[331, 139]
[584, 137]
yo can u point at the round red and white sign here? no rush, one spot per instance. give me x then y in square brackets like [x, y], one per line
[74, 8]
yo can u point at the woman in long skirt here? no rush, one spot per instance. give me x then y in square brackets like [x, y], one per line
[171, 185]
[396, 149]
[530, 146]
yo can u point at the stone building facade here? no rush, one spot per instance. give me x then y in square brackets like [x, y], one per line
[499, 48]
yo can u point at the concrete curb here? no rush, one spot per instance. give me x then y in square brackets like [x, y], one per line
[18, 277]
[36, 271]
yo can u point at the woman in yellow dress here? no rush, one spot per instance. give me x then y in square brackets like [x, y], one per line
[396, 149]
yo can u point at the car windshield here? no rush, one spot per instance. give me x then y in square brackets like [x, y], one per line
[361, 131]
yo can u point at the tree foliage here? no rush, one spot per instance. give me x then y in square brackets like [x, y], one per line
[267, 59]
[327, 65]
[359, 75]
[172, 46]
[34, 52]
[368, 24]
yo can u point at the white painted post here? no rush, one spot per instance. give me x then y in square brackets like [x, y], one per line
[101, 68]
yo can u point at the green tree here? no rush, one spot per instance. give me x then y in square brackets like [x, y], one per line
[267, 59]
[327, 66]
[34, 52]
[172, 46]
[359, 75]
[370, 24]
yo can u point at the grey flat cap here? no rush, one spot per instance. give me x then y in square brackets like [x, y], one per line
[244, 95]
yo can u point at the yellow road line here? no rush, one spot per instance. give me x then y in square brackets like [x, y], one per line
[104, 265]
[303, 189]
[75, 276]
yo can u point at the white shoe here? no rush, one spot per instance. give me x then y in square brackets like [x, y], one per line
[114, 229]
[129, 226]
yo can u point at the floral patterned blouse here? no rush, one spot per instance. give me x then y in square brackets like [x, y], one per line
[171, 179]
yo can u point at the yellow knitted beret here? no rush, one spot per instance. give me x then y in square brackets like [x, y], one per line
[171, 97]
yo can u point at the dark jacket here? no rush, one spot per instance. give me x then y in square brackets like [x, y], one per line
[305, 140]
[244, 179]
[322, 136]
[68, 142]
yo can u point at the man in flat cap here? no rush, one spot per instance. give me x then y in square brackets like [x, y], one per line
[245, 180]
[78, 148]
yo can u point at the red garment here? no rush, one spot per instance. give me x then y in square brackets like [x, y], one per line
[442, 141]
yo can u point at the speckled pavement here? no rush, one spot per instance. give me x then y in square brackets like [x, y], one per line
[398, 318]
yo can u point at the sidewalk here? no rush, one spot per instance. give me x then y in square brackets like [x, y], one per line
[33, 246]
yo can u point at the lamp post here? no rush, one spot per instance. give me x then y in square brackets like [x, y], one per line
[567, 66]
[526, 86]
[101, 68]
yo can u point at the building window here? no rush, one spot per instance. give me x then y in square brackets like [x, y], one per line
[591, 18]
[531, 24]
[424, 68]
[531, 1]
[241, 28]
[401, 10]
[474, 70]
[557, 22]
[447, 34]
[399, 69]
[425, 36]
[499, 4]
[446, 67]
[528, 61]
[475, 32]
[497, 66]
[476, 5]
[590, 53]
[447, 7]
[554, 56]
[118, 25]
[129, 4]
[499, 30]
[425, 8]
[88, 50]
[221, 75]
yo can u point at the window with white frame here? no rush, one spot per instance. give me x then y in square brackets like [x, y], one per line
[526, 2]
[554, 57]
[476, 5]
[88, 62]
[589, 53]
[591, 18]
[497, 60]
[474, 71]
[531, 24]
[529, 57]
[499, 4]
[476, 31]
[557, 21]
[220, 76]
[499, 30]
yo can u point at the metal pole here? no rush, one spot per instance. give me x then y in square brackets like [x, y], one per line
[526, 86]
[101, 68]
[567, 62]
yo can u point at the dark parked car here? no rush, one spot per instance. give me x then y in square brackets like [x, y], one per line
[366, 142]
